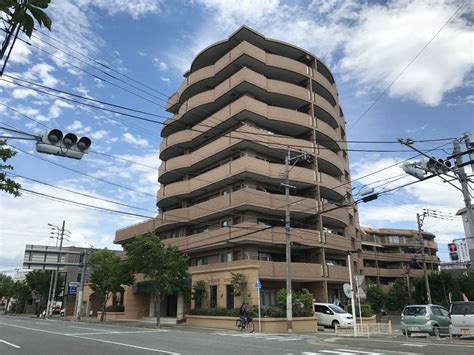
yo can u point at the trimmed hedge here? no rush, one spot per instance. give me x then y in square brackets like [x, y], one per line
[270, 312]
[366, 309]
[115, 308]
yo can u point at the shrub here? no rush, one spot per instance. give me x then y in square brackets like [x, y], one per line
[366, 309]
[115, 308]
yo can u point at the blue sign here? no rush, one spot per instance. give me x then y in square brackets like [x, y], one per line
[72, 290]
[258, 285]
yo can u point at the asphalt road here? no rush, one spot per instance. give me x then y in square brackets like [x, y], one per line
[20, 335]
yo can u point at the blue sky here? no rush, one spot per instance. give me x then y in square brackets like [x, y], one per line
[366, 45]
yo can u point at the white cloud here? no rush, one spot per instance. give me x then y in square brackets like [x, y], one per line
[20, 53]
[23, 93]
[136, 8]
[131, 139]
[165, 79]
[388, 37]
[42, 71]
[372, 43]
[75, 126]
[161, 65]
[99, 134]
[56, 108]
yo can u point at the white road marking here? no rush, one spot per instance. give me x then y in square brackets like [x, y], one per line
[92, 339]
[413, 344]
[115, 332]
[42, 323]
[87, 328]
[269, 337]
[13, 345]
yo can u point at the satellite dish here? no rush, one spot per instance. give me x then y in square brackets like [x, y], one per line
[347, 290]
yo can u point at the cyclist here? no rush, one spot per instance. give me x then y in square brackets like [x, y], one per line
[243, 315]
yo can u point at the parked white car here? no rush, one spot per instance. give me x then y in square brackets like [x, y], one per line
[331, 315]
[461, 315]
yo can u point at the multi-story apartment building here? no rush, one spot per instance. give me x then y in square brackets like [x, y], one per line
[244, 104]
[389, 254]
[66, 261]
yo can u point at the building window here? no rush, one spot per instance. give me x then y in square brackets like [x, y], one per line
[226, 222]
[226, 191]
[268, 297]
[213, 296]
[226, 257]
[202, 261]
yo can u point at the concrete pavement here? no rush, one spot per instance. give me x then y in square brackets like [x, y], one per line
[20, 335]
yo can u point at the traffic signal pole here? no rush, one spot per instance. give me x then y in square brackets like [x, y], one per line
[465, 189]
[56, 276]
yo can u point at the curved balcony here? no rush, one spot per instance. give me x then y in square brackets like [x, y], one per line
[221, 148]
[333, 184]
[245, 108]
[239, 233]
[333, 111]
[224, 175]
[244, 199]
[273, 92]
[246, 54]
[215, 51]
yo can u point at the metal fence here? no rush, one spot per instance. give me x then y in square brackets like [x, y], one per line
[367, 330]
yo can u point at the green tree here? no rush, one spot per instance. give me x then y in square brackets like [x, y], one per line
[466, 284]
[376, 297]
[199, 293]
[38, 281]
[239, 285]
[6, 289]
[163, 266]
[302, 301]
[397, 296]
[22, 294]
[109, 273]
[21, 16]
[6, 184]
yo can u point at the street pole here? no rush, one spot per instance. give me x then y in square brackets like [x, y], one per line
[422, 242]
[349, 263]
[465, 189]
[81, 289]
[289, 309]
[408, 285]
[57, 268]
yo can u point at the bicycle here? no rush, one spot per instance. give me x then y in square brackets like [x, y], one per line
[245, 325]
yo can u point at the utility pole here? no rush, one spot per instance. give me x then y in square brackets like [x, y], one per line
[354, 324]
[419, 221]
[81, 289]
[286, 184]
[465, 188]
[61, 237]
[289, 301]
[408, 283]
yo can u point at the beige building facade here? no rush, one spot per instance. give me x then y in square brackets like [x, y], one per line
[243, 106]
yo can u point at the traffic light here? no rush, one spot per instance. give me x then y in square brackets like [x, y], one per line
[414, 170]
[53, 141]
[453, 251]
[435, 166]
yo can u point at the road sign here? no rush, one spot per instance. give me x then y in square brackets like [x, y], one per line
[258, 285]
[359, 280]
[72, 290]
[361, 294]
[347, 290]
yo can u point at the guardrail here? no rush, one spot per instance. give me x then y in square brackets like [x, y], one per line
[366, 330]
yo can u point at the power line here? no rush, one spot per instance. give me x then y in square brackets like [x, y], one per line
[405, 68]
[81, 173]
[79, 193]
[59, 199]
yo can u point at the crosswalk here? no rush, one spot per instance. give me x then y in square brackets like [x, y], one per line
[269, 337]
[343, 352]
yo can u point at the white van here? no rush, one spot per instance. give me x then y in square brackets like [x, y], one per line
[462, 318]
[331, 315]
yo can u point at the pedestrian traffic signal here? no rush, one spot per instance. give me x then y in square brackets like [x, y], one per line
[453, 251]
[53, 141]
